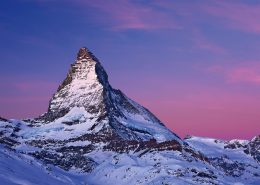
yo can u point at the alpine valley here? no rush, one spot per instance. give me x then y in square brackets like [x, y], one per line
[93, 134]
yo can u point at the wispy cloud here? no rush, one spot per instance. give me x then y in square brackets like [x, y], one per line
[202, 42]
[246, 72]
[149, 15]
[236, 15]
[127, 14]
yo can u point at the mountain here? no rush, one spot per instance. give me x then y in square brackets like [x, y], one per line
[106, 110]
[237, 158]
[94, 134]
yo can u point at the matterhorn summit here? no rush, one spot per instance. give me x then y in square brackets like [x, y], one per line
[86, 87]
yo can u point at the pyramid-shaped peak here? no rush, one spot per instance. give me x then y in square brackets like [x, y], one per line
[84, 86]
[85, 96]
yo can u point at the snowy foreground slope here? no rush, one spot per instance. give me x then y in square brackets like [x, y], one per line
[18, 168]
[94, 134]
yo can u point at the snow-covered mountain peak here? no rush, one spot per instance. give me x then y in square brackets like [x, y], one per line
[86, 67]
[86, 86]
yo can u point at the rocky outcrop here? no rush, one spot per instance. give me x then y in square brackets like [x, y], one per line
[253, 148]
[3, 119]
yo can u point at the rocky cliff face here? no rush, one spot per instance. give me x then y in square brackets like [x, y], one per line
[95, 130]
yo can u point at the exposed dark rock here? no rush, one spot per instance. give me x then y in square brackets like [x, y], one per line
[206, 175]
[66, 160]
[8, 141]
[52, 115]
[234, 145]
[3, 119]
[231, 168]
[253, 148]
[84, 53]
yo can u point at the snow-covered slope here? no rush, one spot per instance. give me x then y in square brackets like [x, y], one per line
[20, 169]
[94, 134]
[237, 158]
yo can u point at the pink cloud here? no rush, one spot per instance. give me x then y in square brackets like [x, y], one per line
[187, 13]
[233, 14]
[208, 111]
[236, 15]
[246, 72]
[125, 14]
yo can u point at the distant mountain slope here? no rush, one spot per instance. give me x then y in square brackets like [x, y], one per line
[236, 158]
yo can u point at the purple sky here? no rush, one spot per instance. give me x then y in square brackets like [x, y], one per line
[195, 64]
